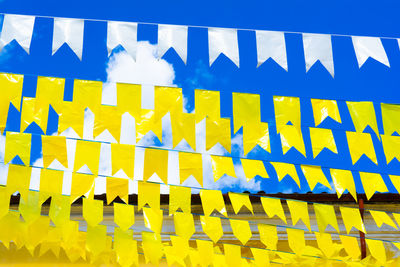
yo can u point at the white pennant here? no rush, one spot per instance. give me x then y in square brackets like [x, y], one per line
[223, 41]
[175, 37]
[318, 47]
[366, 47]
[69, 31]
[124, 34]
[271, 45]
[18, 27]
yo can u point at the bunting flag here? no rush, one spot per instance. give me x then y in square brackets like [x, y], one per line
[155, 162]
[190, 164]
[124, 215]
[12, 95]
[129, 99]
[212, 200]
[253, 168]
[318, 47]
[123, 158]
[343, 180]
[207, 104]
[223, 41]
[372, 182]
[18, 28]
[124, 34]
[70, 32]
[285, 169]
[87, 153]
[51, 183]
[325, 215]
[183, 126]
[184, 225]
[179, 198]
[390, 118]
[377, 250]
[149, 193]
[369, 47]
[323, 108]
[241, 230]
[320, 139]
[246, 110]
[391, 147]
[272, 207]
[363, 115]
[287, 109]
[92, 211]
[271, 45]
[171, 36]
[315, 175]
[222, 166]
[240, 200]
[299, 211]
[361, 144]
[33, 112]
[256, 134]
[116, 187]
[54, 148]
[107, 118]
[18, 145]
[381, 217]
[291, 137]
[351, 246]
[212, 227]
[352, 218]
[218, 131]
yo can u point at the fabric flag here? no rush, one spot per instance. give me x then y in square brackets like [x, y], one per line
[315, 175]
[323, 108]
[395, 179]
[123, 158]
[179, 198]
[207, 104]
[218, 131]
[107, 118]
[299, 210]
[172, 36]
[12, 94]
[82, 184]
[147, 122]
[241, 230]
[221, 166]
[223, 41]
[256, 134]
[212, 200]
[92, 211]
[60, 210]
[18, 144]
[87, 94]
[180, 246]
[318, 47]
[272, 207]
[246, 109]
[183, 126]
[18, 28]
[343, 179]
[69, 31]
[261, 257]
[155, 162]
[212, 227]
[287, 109]
[366, 47]
[129, 97]
[54, 148]
[72, 116]
[124, 34]
[233, 255]
[381, 217]
[30, 207]
[167, 99]
[372, 182]
[96, 240]
[33, 112]
[206, 250]
[87, 153]
[326, 245]
[252, 168]
[390, 118]
[271, 45]
[51, 183]
[124, 215]
[116, 187]
[190, 164]
[351, 246]
[286, 169]
[361, 144]
[320, 139]
[325, 215]
[291, 137]
[125, 248]
[377, 250]
[152, 247]
[296, 240]
[4, 202]
[352, 218]
[184, 224]
[240, 200]
[363, 115]
[391, 147]
[148, 193]
[153, 219]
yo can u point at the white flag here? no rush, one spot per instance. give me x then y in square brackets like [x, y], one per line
[223, 41]
[124, 34]
[175, 37]
[69, 31]
[318, 47]
[18, 27]
[271, 45]
[366, 47]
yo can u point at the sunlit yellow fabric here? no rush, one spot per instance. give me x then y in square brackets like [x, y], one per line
[222, 165]
[156, 161]
[241, 230]
[152, 247]
[240, 200]
[18, 179]
[377, 250]
[381, 217]
[107, 118]
[207, 104]
[195, 258]
[11, 94]
[283, 169]
[325, 215]
[96, 239]
[4, 202]
[147, 122]
[256, 134]
[167, 99]
[153, 219]
[129, 97]
[296, 240]
[116, 187]
[18, 144]
[8, 229]
[190, 164]
[343, 179]
[252, 168]
[261, 257]
[372, 182]
[246, 109]
[212, 227]
[183, 126]
[361, 144]
[173, 258]
[219, 260]
[148, 193]
[363, 115]
[315, 175]
[390, 118]
[180, 246]
[60, 209]
[92, 211]
[292, 137]
[212, 200]
[123, 158]
[320, 139]
[351, 246]
[72, 116]
[30, 207]
[184, 225]
[299, 210]
[125, 247]
[218, 131]
[272, 207]
[35, 233]
[325, 244]
[82, 184]
[50, 91]
[87, 153]
[51, 182]
[395, 179]
[287, 109]
[352, 218]
[51, 242]
[124, 215]
[179, 197]
[54, 148]
[233, 255]
[87, 94]
[206, 250]
[31, 112]
[391, 147]
[323, 108]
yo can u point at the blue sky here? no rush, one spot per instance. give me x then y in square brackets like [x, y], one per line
[373, 82]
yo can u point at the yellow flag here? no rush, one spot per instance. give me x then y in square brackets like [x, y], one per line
[117, 187]
[240, 200]
[125, 247]
[167, 99]
[296, 240]
[11, 94]
[325, 244]
[96, 239]
[395, 179]
[241, 230]
[381, 217]
[292, 137]
[180, 246]
[315, 175]
[123, 158]
[87, 153]
[30, 207]
[391, 147]
[4, 202]
[256, 134]
[361, 144]
[320, 139]
[107, 118]
[377, 250]
[124, 215]
[156, 161]
[287, 109]
[190, 164]
[129, 98]
[207, 104]
[183, 126]
[351, 246]
[246, 109]
[212, 200]
[222, 165]
[233, 255]
[18, 179]
[325, 215]
[60, 209]
[72, 116]
[36, 233]
[212, 227]
[252, 168]
[148, 193]
[152, 247]
[206, 250]
[323, 108]
[179, 197]
[343, 179]
[50, 91]
[92, 211]
[82, 184]
[372, 182]
[88, 94]
[18, 144]
[54, 148]
[261, 257]
[390, 118]
[184, 224]
[283, 169]
[352, 218]
[147, 122]
[272, 207]
[51, 183]
[299, 210]
[153, 219]
[363, 115]
[218, 131]
[31, 112]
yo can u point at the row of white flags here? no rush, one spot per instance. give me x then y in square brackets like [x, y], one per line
[270, 44]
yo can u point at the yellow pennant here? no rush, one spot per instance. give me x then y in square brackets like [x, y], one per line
[8, 227]
[296, 240]
[107, 118]
[82, 184]
[129, 98]
[325, 215]
[31, 112]
[173, 258]
[261, 257]
[256, 134]
[221, 166]
[325, 244]
[299, 210]
[54, 148]
[343, 179]
[148, 193]
[96, 239]
[361, 144]
[11, 94]
[246, 109]
[395, 179]
[72, 116]
[241, 230]
[390, 118]
[184, 225]
[323, 109]
[206, 250]
[87, 153]
[218, 131]
[190, 164]
[180, 246]
[167, 99]
[286, 169]
[92, 211]
[125, 247]
[287, 109]
[51, 242]
[123, 158]
[377, 250]
[124, 215]
[36, 233]
[183, 126]
[212, 227]
[315, 175]
[252, 168]
[352, 218]
[153, 219]
[18, 144]
[179, 197]
[233, 255]
[351, 246]
[117, 187]
[51, 183]
[50, 91]
[372, 182]
[87, 94]
[272, 207]
[4, 202]
[381, 217]
[292, 137]
[320, 139]
[152, 247]
[18, 179]
[156, 161]
[60, 209]
[212, 200]
[363, 115]
[391, 147]
[30, 207]
[194, 257]
[147, 122]
[240, 200]
[207, 104]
